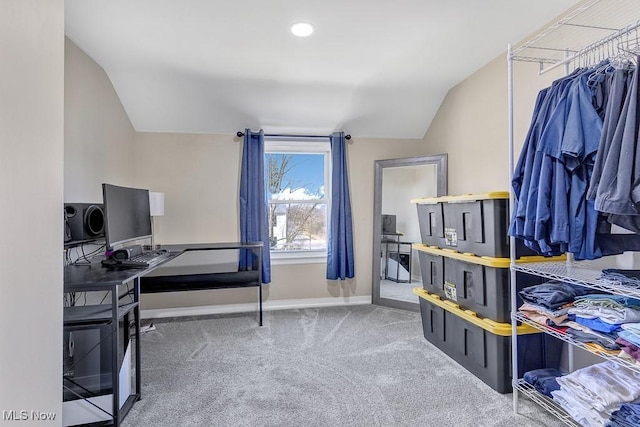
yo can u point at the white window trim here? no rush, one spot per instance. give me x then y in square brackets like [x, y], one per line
[301, 257]
[302, 146]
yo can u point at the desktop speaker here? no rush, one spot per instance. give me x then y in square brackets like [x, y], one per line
[85, 220]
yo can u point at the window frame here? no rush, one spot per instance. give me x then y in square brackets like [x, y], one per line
[298, 145]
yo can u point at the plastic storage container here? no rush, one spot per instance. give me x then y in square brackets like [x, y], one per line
[478, 224]
[473, 223]
[479, 284]
[482, 346]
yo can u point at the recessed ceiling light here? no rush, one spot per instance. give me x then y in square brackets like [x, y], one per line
[302, 29]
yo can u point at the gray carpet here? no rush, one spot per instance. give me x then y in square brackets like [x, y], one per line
[399, 291]
[336, 366]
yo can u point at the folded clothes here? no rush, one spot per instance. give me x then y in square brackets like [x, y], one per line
[603, 385]
[632, 327]
[606, 314]
[627, 416]
[579, 410]
[629, 348]
[553, 294]
[625, 277]
[543, 315]
[598, 325]
[607, 300]
[630, 337]
[544, 380]
[547, 311]
[604, 341]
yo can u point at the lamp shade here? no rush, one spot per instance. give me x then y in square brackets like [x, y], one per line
[156, 203]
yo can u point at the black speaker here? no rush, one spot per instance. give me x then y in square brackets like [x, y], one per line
[67, 228]
[86, 220]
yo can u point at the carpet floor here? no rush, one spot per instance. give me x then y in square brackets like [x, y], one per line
[335, 366]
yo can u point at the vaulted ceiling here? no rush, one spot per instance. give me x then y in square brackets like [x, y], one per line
[373, 68]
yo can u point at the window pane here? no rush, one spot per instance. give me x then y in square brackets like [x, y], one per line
[294, 176]
[298, 226]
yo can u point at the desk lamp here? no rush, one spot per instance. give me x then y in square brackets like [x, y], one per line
[156, 208]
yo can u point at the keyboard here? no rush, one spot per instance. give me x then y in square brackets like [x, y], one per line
[144, 260]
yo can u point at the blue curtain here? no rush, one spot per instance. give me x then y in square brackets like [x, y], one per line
[340, 259]
[254, 220]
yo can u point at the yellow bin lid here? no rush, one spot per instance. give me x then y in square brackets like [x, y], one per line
[483, 260]
[462, 198]
[496, 328]
[466, 257]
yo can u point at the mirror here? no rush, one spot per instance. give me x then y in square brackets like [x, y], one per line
[396, 268]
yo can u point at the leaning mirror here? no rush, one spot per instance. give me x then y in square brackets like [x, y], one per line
[396, 269]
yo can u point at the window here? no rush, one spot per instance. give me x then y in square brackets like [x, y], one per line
[298, 197]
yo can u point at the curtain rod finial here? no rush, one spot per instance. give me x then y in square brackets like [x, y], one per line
[239, 134]
[347, 136]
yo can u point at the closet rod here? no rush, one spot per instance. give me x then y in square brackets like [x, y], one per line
[240, 134]
[593, 46]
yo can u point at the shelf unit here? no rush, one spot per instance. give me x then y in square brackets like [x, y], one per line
[101, 378]
[588, 33]
[552, 407]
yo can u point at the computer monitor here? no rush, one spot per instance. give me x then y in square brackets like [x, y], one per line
[127, 215]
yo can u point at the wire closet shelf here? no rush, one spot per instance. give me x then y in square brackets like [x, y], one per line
[589, 33]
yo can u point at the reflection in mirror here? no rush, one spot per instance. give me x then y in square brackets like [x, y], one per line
[396, 265]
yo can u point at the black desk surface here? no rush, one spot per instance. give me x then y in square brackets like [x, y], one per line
[79, 277]
[210, 246]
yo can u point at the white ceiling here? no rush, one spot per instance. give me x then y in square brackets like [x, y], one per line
[374, 68]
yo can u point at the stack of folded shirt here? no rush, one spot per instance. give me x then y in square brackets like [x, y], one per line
[604, 312]
[627, 416]
[544, 380]
[549, 303]
[553, 295]
[581, 333]
[543, 315]
[590, 395]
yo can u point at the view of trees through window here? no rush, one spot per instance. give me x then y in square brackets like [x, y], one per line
[297, 202]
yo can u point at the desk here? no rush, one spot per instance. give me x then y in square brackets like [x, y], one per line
[177, 280]
[400, 253]
[119, 319]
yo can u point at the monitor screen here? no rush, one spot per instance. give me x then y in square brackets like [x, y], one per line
[127, 215]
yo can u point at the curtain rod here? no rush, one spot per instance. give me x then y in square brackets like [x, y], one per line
[240, 134]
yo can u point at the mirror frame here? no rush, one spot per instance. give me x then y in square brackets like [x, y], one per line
[440, 161]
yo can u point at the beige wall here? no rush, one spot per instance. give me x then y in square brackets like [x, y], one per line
[471, 125]
[31, 185]
[199, 175]
[98, 136]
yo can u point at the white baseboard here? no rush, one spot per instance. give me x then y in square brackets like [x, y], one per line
[243, 308]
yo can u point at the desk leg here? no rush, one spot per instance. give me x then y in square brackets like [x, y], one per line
[136, 313]
[260, 282]
[260, 302]
[115, 327]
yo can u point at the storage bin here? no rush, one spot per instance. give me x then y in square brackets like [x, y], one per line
[479, 284]
[478, 224]
[472, 223]
[482, 346]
